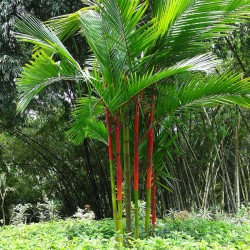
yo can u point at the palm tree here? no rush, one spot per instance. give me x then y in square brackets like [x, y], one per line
[148, 61]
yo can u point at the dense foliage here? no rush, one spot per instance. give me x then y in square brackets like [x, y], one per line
[35, 168]
[206, 153]
[83, 234]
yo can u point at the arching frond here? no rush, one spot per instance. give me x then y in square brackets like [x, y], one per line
[65, 26]
[137, 83]
[85, 121]
[42, 71]
[168, 12]
[123, 17]
[35, 32]
[96, 130]
[209, 91]
[115, 32]
[102, 41]
[204, 20]
[187, 27]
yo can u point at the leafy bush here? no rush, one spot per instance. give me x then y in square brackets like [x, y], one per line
[47, 210]
[42, 211]
[20, 214]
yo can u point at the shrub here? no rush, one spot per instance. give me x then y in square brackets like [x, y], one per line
[27, 213]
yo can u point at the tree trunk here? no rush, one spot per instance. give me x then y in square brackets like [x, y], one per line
[2, 207]
[237, 165]
[111, 169]
[127, 175]
[118, 174]
[150, 167]
[136, 168]
[153, 199]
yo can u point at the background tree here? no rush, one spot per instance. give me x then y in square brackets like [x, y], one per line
[40, 167]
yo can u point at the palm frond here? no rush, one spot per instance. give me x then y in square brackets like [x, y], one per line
[169, 12]
[65, 26]
[124, 19]
[163, 141]
[204, 20]
[191, 26]
[41, 72]
[96, 130]
[209, 91]
[225, 89]
[99, 36]
[43, 69]
[137, 83]
[35, 32]
[84, 121]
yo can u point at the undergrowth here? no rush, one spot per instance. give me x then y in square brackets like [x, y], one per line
[190, 233]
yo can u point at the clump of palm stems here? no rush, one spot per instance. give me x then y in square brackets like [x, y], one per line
[129, 40]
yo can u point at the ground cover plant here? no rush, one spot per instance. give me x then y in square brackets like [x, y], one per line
[191, 233]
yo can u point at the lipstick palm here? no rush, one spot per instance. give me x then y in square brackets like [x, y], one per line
[128, 46]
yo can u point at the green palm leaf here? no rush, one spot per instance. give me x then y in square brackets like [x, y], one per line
[99, 35]
[39, 73]
[124, 16]
[187, 27]
[65, 26]
[43, 69]
[35, 32]
[84, 121]
[96, 130]
[115, 32]
[204, 20]
[209, 91]
[137, 83]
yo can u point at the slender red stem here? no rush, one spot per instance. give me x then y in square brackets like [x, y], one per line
[153, 200]
[118, 160]
[150, 166]
[111, 165]
[110, 147]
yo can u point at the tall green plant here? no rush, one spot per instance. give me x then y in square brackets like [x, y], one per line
[127, 47]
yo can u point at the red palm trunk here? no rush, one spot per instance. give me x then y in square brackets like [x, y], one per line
[153, 200]
[118, 161]
[118, 174]
[150, 166]
[112, 178]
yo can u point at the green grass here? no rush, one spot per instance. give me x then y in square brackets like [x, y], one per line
[170, 234]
